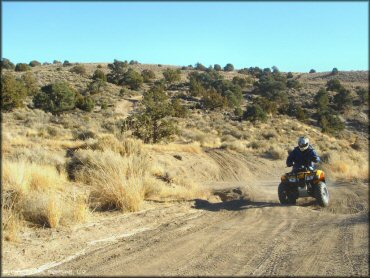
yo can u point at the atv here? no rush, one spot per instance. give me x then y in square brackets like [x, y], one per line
[304, 182]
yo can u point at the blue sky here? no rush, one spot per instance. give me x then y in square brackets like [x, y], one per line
[294, 36]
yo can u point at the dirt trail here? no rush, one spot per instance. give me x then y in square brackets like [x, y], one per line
[240, 232]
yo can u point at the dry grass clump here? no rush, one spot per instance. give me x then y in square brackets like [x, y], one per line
[276, 152]
[269, 134]
[236, 145]
[124, 147]
[173, 147]
[115, 181]
[346, 165]
[12, 224]
[37, 193]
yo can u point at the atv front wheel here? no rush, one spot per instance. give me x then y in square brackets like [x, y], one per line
[322, 194]
[285, 197]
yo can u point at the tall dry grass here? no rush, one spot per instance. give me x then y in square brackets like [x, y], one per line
[38, 193]
[115, 181]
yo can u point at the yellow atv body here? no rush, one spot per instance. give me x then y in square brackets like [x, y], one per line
[305, 183]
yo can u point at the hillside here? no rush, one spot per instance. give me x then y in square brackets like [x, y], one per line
[68, 177]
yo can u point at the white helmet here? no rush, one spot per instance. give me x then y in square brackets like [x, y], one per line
[303, 143]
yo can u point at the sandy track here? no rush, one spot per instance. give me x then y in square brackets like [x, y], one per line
[240, 236]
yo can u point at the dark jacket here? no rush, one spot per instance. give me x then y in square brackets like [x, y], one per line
[306, 158]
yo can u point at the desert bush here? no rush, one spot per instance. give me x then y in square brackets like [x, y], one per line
[217, 67]
[275, 152]
[334, 71]
[116, 182]
[171, 75]
[289, 75]
[34, 63]
[79, 69]
[66, 63]
[56, 62]
[22, 67]
[37, 192]
[99, 75]
[199, 66]
[312, 71]
[7, 64]
[152, 124]
[212, 100]
[343, 99]
[96, 86]
[255, 113]
[30, 83]
[13, 92]
[330, 122]
[229, 67]
[293, 84]
[148, 75]
[270, 107]
[55, 98]
[132, 79]
[85, 103]
[362, 94]
[321, 99]
[242, 82]
[333, 85]
[275, 69]
[118, 68]
[179, 110]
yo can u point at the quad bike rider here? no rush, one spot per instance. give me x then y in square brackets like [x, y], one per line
[304, 180]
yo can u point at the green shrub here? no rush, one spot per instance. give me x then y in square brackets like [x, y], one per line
[312, 71]
[66, 63]
[255, 113]
[213, 100]
[79, 69]
[330, 122]
[55, 98]
[99, 75]
[217, 67]
[289, 75]
[99, 66]
[268, 106]
[242, 82]
[133, 62]
[152, 124]
[322, 99]
[96, 86]
[56, 62]
[34, 63]
[275, 69]
[293, 84]
[199, 66]
[7, 64]
[171, 75]
[30, 83]
[343, 99]
[132, 79]
[13, 92]
[22, 67]
[148, 75]
[85, 103]
[334, 71]
[333, 85]
[178, 110]
[229, 67]
[362, 94]
[238, 112]
[118, 69]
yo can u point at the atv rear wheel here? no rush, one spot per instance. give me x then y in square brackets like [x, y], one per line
[322, 194]
[285, 197]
